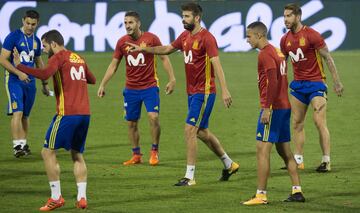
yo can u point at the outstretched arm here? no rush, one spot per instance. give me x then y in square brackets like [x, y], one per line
[158, 50]
[170, 71]
[220, 75]
[108, 75]
[5, 55]
[40, 73]
[338, 86]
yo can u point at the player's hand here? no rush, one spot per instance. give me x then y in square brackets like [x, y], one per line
[265, 116]
[23, 77]
[133, 47]
[226, 98]
[170, 87]
[101, 92]
[16, 57]
[338, 88]
[45, 89]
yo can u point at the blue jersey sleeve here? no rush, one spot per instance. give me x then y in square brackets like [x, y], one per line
[9, 42]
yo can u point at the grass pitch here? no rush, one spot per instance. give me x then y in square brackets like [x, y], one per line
[142, 188]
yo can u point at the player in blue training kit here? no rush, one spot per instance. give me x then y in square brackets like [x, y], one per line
[20, 88]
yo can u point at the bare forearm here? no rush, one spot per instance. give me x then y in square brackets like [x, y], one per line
[168, 68]
[108, 75]
[332, 68]
[159, 50]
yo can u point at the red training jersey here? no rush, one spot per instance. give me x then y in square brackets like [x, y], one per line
[272, 79]
[303, 49]
[141, 67]
[70, 75]
[198, 49]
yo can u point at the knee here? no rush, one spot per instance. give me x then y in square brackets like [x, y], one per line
[154, 118]
[298, 125]
[202, 135]
[190, 130]
[132, 125]
[319, 122]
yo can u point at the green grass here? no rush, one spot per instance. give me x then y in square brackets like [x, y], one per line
[115, 188]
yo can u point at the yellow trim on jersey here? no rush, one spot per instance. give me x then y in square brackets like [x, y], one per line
[7, 75]
[320, 64]
[267, 129]
[54, 131]
[207, 75]
[155, 71]
[203, 107]
[61, 93]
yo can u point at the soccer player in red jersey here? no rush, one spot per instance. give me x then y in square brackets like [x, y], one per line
[142, 84]
[69, 126]
[274, 120]
[306, 49]
[201, 63]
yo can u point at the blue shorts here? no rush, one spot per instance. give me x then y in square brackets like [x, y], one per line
[68, 132]
[21, 96]
[278, 129]
[305, 91]
[199, 109]
[133, 101]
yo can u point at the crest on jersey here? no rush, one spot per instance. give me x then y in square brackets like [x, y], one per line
[195, 45]
[35, 45]
[22, 44]
[302, 42]
[288, 44]
[185, 44]
[279, 53]
[75, 58]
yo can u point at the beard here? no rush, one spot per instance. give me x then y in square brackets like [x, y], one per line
[50, 53]
[189, 27]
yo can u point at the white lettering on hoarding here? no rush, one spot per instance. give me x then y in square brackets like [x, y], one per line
[228, 28]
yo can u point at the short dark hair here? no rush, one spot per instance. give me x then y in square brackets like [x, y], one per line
[53, 36]
[32, 14]
[133, 14]
[259, 27]
[193, 7]
[295, 8]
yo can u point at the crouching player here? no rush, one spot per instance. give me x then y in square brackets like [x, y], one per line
[274, 121]
[69, 126]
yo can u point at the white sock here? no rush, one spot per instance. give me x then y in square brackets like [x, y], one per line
[16, 142]
[226, 161]
[190, 171]
[296, 189]
[299, 159]
[325, 158]
[261, 191]
[22, 142]
[81, 190]
[55, 189]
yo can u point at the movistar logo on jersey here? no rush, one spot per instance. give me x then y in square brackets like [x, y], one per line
[188, 57]
[138, 61]
[298, 56]
[77, 74]
[27, 58]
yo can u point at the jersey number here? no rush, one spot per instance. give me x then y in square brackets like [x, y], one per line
[77, 74]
